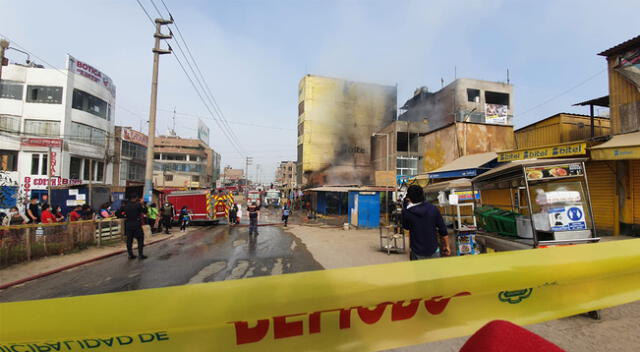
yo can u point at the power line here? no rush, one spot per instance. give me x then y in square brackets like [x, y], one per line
[563, 93]
[234, 122]
[145, 12]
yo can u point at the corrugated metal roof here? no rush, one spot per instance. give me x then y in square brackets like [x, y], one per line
[473, 161]
[602, 101]
[621, 140]
[624, 46]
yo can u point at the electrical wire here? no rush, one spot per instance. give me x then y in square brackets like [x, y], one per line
[234, 122]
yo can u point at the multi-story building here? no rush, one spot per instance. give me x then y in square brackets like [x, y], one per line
[468, 116]
[130, 157]
[56, 128]
[397, 149]
[181, 163]
[286, 176]
[336, 119]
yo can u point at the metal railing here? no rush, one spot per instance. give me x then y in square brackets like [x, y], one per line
[23, 243]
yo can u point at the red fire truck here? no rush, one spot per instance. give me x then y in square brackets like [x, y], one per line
[205, 206]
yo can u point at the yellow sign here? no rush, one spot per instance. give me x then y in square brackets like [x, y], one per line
[616, 153]
[354, 309]
[545, 152]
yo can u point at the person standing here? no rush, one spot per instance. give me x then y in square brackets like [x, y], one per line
[167, 216]
[33, 211]
[57, 211]
[133, 227]
[185, 217]
[253, 218]
[425, 223]
[152, 216]
[14, 218]
[233, 212]
[285, 215]
[76, 214]
[47, 216]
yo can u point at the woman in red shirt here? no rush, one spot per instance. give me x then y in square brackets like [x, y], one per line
[47, 216]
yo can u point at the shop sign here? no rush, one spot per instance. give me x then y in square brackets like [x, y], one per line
[41, 142]
[466, 195]
[553, 172]
[546, 152]
[616, 153]
[569, 218]
[496, 114]
[83, 69]
[133, 136]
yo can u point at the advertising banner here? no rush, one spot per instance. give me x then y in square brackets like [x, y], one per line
[203, 132]
[552, 172]
[496, 114]
[544, 152]
[83, 69]
[134, 136]
[366, 308]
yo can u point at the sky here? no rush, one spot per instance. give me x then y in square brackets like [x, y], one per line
[252, 55]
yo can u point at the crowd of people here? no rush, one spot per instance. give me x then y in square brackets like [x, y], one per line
[39, 211]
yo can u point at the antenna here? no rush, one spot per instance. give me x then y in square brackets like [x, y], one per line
[507, 76]
[173, 118]
[455, 72]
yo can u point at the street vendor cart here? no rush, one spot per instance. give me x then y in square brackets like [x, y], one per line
[534, 203]
[455, 200]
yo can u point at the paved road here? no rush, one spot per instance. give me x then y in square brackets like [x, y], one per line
[211, 253]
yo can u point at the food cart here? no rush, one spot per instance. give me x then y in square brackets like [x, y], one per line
[549, 200]
[455, 200]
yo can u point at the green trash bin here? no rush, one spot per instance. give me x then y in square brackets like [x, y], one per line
[484, 220]
[506, 223]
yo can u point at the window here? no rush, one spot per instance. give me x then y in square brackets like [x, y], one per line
[194, 157]
[86, 171]
[301, 129]
[87, 134]
[44, 94]
[180, 157]
[156, 156]
[8, 160]
[168, 178]
[496, 98]
[406, 165]
[9, 123]
[301, 108]
[39, 164]
[195, 178]
[473, 95]
[42, 128]
[100, 171]
[407, 142]
[91, 104]
[124, 170]
[136, 172]
[74, 168]
[11, 90]
[134, 151]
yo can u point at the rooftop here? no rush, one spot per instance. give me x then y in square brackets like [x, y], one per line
[622, 47]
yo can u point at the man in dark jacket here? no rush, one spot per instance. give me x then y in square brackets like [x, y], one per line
[424, 222]
[133, 227]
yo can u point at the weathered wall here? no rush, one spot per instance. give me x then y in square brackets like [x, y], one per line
[337, 119]
[624, 101]
[560, 128]
[440, 148]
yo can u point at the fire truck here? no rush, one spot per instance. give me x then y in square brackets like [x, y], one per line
[206, 206]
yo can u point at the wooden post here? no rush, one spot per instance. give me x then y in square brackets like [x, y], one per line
[28, 243]
[99, 232]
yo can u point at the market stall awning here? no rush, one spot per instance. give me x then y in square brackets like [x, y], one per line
[620, 147]
[465, 166]
[460, 183]
[514, 168]
[345, 189]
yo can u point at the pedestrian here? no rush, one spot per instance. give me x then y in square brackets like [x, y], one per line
[57, 212]
[233, 213]
[152, 216]
[185, 217]
[253, 218]
[44, 200]
[14, 218]
[239, 215]
[33, 211]
[168, 212]
[76, 213]
[285, 215]
[423, 220]
[87, 212]
[105, 211]
[133, 227]
[47, 216]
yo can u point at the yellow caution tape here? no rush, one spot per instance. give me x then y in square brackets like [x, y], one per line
[353, 309]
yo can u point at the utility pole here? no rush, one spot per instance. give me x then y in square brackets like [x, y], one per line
[4, 44]
[157, 51]
[248, 161]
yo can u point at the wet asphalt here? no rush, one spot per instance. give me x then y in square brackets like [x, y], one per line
[211, 253]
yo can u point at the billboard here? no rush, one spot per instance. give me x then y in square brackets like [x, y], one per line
[83, 69]
[203, 132]
[496, 114]
[133, 136]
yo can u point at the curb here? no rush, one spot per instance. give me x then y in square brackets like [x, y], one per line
[69, 266]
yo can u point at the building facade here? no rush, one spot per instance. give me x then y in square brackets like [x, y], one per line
[56, 128]
[466, 117]
[286, 177]
[232, 176]
[336, 121]
[182, 163]
[396, 149]
[130, 157]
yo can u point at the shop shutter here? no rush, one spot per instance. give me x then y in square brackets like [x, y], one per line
[635, 179]
[602, 186]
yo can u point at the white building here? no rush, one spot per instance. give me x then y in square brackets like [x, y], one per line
[56, 126]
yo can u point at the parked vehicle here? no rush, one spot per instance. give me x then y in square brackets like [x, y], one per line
[254, 196]
[206, 206]
[272, 198]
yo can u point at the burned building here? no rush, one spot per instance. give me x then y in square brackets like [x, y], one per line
[336, 121]
[468, 116]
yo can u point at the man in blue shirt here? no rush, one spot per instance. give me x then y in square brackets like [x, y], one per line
[424, 222]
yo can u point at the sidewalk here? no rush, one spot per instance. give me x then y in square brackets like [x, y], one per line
[52, 264]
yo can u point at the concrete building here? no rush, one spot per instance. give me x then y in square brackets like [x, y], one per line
[286, 176]
[468, 116]
[336, 120]
[56, 128]
[396, 151]
[183, 163]
[130, 156]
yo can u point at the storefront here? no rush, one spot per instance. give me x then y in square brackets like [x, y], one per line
[622, 154]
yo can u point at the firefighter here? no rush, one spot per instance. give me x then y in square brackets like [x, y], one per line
[253, 218]
[134, 212]
[168, 213]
